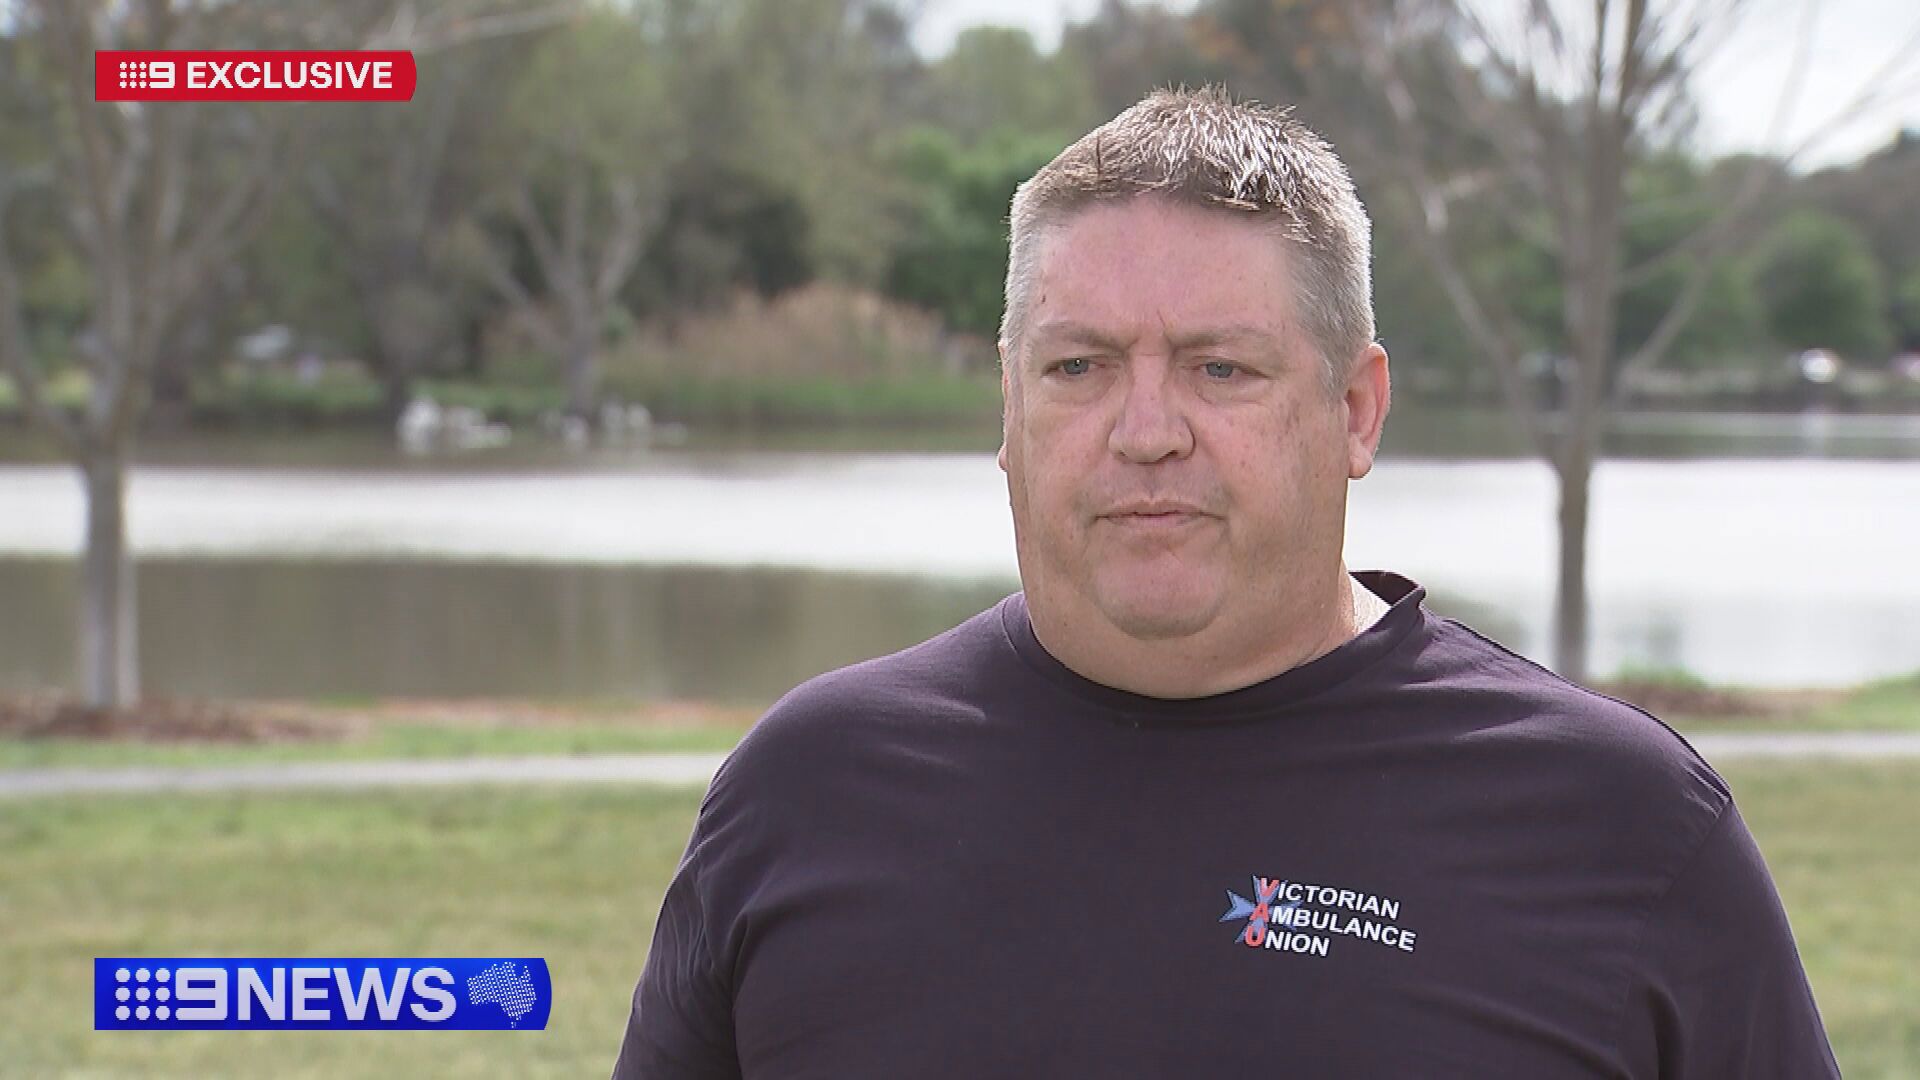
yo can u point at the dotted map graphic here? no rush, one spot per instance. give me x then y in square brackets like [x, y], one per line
[504, 985]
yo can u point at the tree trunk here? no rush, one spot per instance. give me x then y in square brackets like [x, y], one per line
[1570, 594]
[171, 400]
[109, 640]
[583, 374]
[396, 390]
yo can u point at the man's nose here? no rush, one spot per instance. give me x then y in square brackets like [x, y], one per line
[1152, 424]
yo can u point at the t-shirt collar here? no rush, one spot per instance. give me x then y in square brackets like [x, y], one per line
[1405, 614]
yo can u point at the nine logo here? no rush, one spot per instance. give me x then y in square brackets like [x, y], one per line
[303, 994]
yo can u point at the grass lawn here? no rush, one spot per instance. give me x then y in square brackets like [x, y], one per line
[241, 733]
[1840, 840]
[358, 731]
[1883, 705]
[575, 876]
[397, 741]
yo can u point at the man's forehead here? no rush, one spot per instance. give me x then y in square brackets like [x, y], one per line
[1182, 273]
[1121, 334]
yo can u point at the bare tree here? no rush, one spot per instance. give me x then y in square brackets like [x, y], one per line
[151, 221]
[155, 198]
[380, 185]
[585, 155]
[1556, 108]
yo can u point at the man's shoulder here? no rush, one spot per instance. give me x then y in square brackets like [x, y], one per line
[1621, 755]
[935, 680]
[941, 668]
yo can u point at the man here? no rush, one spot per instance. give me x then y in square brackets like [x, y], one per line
[1198, 802]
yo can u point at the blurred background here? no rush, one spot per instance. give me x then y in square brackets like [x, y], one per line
[642, 366]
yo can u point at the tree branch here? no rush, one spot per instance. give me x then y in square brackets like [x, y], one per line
[539, 237]
[1874, 91]
[502, 278]
[625, 242]
[462, 29]
[1484, 318]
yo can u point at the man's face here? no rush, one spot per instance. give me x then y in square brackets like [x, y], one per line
[1174, 458]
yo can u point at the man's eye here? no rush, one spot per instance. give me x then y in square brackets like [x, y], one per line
[1076, 366]
[1219, 369]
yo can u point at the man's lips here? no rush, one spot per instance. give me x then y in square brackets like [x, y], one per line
[1155, 517]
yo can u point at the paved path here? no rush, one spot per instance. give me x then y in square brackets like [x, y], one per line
[1809, 744]
[697, 769]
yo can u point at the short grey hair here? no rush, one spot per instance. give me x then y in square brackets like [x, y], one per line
[1200, 147]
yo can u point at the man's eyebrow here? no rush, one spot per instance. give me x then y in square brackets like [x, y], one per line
[1071, 331]
[1227, 335]
[1078, 333]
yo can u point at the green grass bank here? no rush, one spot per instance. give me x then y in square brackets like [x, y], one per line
[576, 876]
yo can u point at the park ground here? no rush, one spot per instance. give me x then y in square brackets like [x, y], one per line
[50, 731]
[575, 875]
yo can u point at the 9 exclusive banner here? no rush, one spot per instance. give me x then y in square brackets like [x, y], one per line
[253, 75]
[320, 994]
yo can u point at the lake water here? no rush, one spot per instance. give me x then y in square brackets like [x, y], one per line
[338, 569]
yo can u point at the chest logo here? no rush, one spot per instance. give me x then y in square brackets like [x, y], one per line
[1299, 917]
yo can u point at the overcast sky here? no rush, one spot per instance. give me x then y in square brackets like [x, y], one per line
[1737, 92]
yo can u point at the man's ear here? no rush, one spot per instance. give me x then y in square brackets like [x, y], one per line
[1367, 397]
[1006, 405]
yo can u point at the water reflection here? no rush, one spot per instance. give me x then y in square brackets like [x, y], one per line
[351, 628]
[344, 629]
[649, 576]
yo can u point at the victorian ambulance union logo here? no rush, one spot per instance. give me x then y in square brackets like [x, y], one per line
[1300, 917]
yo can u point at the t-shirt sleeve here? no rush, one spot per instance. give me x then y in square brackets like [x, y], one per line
[1723, 992]
[681, 1025]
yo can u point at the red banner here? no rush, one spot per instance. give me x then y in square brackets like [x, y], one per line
[253, 75]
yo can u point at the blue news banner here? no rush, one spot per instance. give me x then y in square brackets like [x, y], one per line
[187, 993]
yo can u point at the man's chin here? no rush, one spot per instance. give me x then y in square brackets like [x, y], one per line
[1158, 614]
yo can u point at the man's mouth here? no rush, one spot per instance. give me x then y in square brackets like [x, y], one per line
[1156, 519]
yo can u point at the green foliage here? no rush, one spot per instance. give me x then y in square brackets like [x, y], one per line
[592, 99]
[954, 258]
[1822, 288]
[1432, 353]
[1671, 678]
[498, 399]
[782, 143]
[1906, 310]
[1129, 49]
[57, 297]
[725, 228]
[273, 396]
[298, 276]
[801, 93]
[817, 355]
[819, 400]
[1669, 203]
[994, 79]
[67, 389]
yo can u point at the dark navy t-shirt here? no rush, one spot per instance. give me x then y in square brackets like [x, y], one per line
[1418, 855]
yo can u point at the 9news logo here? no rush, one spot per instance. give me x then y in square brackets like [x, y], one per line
[188, 993]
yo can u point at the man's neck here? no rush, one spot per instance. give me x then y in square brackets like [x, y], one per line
[1368, 608]
[1214, 661]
